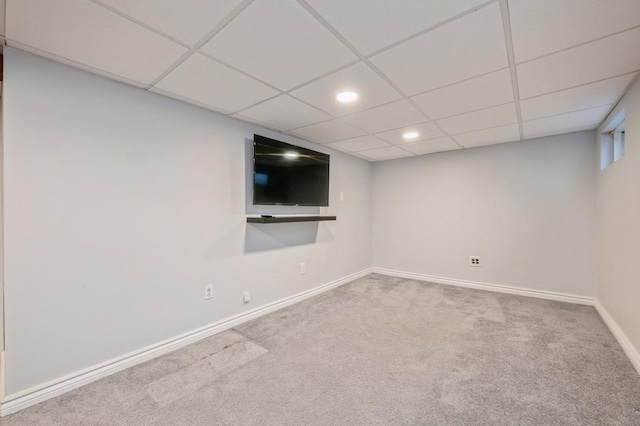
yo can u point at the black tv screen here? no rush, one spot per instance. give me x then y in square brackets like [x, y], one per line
[285, 174]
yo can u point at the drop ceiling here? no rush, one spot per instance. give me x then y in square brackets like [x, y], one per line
[461, 73]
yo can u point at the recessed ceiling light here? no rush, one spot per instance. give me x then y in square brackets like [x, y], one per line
[410, 135]
[347, 96]
[291, 155]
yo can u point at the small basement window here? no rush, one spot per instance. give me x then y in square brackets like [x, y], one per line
[612, 142]
[618, 142]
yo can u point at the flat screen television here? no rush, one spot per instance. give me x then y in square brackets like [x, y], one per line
[288, 175]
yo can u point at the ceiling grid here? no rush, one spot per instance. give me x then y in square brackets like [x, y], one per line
[460, 74]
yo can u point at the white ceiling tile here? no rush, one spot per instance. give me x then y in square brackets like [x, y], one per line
[205, 80]
[355, 154]
[465, 48]
[424, 130]
[387, 153]
[358, 144]
[372, 90]
[74, 64]
[431, 146]
[280, 43]
[285, 112]
[492, 136]
[343, 150]
[591, 62]
[394, 115]
[257, 122]
[89, 34]
[187, 100]
[382, 22]
[471, 95]
[541, 27]
[589, 118]
[328, 131]
[558, 132]
[186, 20]
[604, 92]
[478, 120]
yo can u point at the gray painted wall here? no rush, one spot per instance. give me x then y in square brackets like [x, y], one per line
[618, 226]
[120, 205]
[527, 208]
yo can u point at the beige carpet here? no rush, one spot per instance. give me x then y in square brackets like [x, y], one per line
[377, 351]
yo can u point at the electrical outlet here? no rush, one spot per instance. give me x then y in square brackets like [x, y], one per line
[475, 261]
[208, 291]
[303, 268]
[246, 297]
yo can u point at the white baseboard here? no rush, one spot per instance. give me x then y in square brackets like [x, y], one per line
[632, 352]
[562, 297]
[21, 400]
